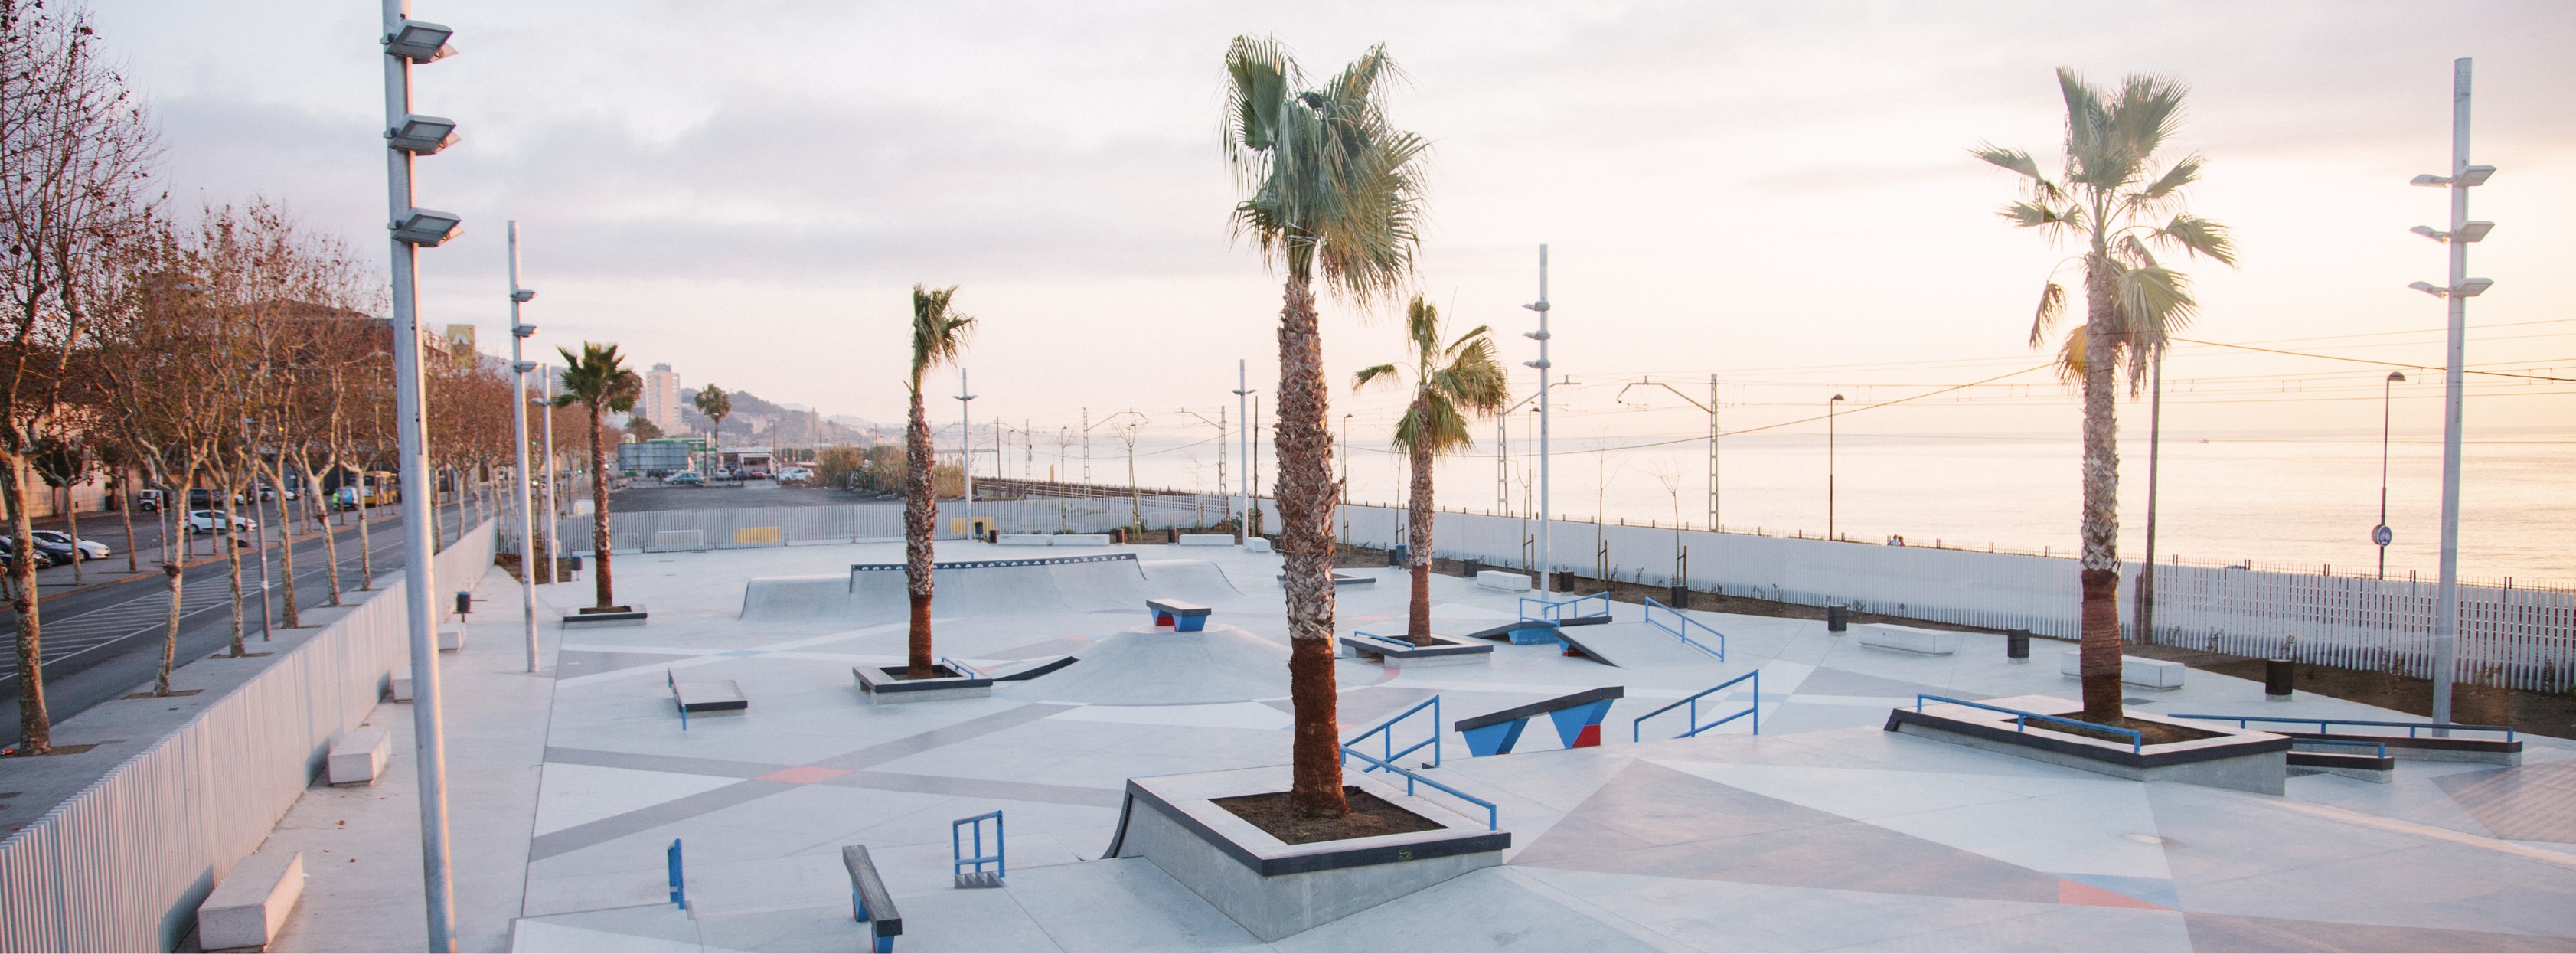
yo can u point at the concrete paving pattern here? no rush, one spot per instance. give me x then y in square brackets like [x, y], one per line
[1821, 832]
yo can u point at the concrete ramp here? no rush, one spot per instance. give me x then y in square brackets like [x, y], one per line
[1001, 587]
[1195, 580]
[1633, 645]
[796, 598]
[1152, 666]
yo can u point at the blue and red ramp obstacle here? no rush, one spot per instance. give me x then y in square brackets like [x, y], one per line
[1577, 717]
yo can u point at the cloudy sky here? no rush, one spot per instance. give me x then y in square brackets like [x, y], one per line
[1776, 193]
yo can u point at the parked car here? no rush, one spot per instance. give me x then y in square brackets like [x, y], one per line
[9, 555]
[212, 521]
[682, 479]
[149, 499]
[89, 549]
[795, 475]
[756, 474]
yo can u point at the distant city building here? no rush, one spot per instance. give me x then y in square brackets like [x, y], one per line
[661, 404]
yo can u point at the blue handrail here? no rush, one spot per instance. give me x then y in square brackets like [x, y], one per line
[1556, 611]
[1682, 632]
[679, 882]
[2021, 719]
[1637, 727]
[2410, 727]
[957, 857]
[1386, 733]
[960, 668]
[1493, 816]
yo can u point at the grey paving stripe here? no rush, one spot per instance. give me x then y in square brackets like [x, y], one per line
[660, 763]
[615, 827]
[975, 728]
[2236, 932]
[2527, 803]
[982, 788]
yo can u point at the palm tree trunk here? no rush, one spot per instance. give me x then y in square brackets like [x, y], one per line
[2100, 653]
[600, 582]
[1305, 500]
[1417, 535]
[920, 512]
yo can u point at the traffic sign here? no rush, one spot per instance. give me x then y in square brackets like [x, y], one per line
[2382, 535]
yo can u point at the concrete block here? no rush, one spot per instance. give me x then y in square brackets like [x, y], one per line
[249, 906]
[2242, 759]
[2135, 670]
[1079, 539]
[451, 638]
[885, 685]
[1256, 545]
[402, 684]
[1025, 540]
[1207, 539]
[633, 616]
[358, 757]
[1502, 580]
[665, 541]
[1930, 642]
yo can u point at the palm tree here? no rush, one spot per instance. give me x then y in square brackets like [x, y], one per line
[598, 379]
[716, 405]
[1450, 385]
[1330, 186]
[938, 335]
[2109, 196]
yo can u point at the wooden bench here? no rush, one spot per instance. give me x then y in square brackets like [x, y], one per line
[358, 757]
[870, 902]
[1180, 615]
[251, 903]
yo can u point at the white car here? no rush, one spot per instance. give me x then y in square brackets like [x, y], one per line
[211, 521]
[89, 549]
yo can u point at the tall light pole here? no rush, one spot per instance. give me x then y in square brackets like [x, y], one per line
[1829, 464]
[1243, 409]
[1221, 484]
[408, 41]
[2446, 619]
[554, 508]
[966, 423]
[2380, 534]
[519, 368]
[1546, 550]
[1346, 479]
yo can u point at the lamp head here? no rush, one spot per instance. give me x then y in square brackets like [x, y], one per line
[523, 295]
[2476, 175]
[422, 135]
[2429, 179]
[2396, 376]
[2475, 231]
[2430, 232]
[1837, 397]
[2474, 287]
[428, 228]
[419, 41]
[2429, 288]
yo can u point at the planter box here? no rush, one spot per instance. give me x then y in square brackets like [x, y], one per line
[1275, 889]
[1435, 650]
[1504, 581]
[2137, 671]
[633, 616]
[885, 685]
[2240, 759]
[666, 541]
[1929, 642]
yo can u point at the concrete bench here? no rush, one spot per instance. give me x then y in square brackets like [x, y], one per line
[2134, 670]
[1256, 545]
[707, 696]
[1207, 539]
[1025, 540]
[1079, 539]
[870, 902]
[251, 903]
[1180, 615]
[1501, 580]
[1929, 642]
[400, 688]
[451, 638]
[1577, 717]
[358, 757]
[665, 541]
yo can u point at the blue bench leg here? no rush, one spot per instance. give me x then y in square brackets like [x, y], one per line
[1496, 739]
[885, 944]
[1192, 624]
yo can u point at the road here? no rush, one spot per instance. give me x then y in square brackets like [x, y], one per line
[103, 640]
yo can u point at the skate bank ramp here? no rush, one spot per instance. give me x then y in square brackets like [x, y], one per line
[874, 592]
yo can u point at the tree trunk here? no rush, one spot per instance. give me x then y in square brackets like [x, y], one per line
[230, 540]
[920, 514]
[125, 489]
[1304, 495]
[35, 724]
[71, 522]
[1417, 535]
[320, 511]
[366, 550]
[174, 569]
[2100, 653]
[286, 545]
[600, 543]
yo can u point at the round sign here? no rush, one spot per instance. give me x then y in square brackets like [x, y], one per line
[2382, 535]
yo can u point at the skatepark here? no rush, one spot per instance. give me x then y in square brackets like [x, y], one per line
[589, 816]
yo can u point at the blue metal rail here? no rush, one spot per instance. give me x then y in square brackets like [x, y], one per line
[960, 668]
[2410, 727]
[679, 882]
[1558, 610]
[1386, 734]
[1637, 727]
[2021, 719]
[958, 859]
[1493, 816]
[1682, 632]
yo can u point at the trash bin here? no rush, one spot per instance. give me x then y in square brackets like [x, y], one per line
[1474, 566]
[1399, 555]
[1837, 618]
[2017, 645]
[2277, 675]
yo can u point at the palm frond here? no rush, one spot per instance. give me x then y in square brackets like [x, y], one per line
[1370, 375]
[2198, 236]
[939, 331]
[2052, 305]
[1330, 185]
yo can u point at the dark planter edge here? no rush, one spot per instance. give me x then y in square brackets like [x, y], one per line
[2095, 751]
[1459, 843]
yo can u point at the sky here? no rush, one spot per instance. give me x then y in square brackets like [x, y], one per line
[1779, 194]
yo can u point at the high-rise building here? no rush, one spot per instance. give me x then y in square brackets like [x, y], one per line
[661, 403]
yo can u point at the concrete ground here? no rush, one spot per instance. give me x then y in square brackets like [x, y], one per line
[1822, 832]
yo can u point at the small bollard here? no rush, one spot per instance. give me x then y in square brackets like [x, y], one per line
[1837, 618]
[1396, 555]
[2017, 645]
[464, 602]
[2277, 676]
[1474, 566]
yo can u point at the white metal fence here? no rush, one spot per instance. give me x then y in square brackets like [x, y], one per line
[2520, 637]
[721, 528]
[123, 865]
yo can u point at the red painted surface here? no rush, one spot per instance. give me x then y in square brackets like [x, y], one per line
[1591, 736]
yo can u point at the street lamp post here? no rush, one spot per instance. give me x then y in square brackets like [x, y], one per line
[407, 41]
[1546, 550]
[966, 423]
[2446, 620]
[1243, 409]
[1346, 480]
[1829, 464]
[2380, 534]
[554, 507]
[519, 368]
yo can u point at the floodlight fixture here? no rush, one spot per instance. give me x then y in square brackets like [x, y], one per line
[2430, 232]
[524, 367]
[523, 295]
[2429, 288]
[2429, 179]
[2472, 288]
[428, 228]
[422, 135]
[2395, 376]
[2476, 175]
[419, 41]
[522, 331]
[2475, 231]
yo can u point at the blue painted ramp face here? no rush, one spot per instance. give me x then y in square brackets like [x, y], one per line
[1496, 739]
[1580, 726]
